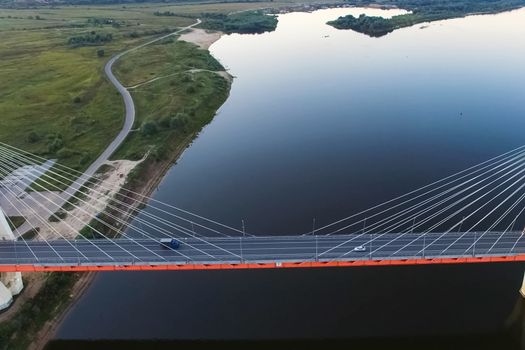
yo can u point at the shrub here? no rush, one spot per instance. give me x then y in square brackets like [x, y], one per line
[93, 38]
[64, 153]
[178, 121]
[86, 157]
[55, 144]
[87, 232]
[58, 216]
[33, 137]
[149, 128]
[165, 122]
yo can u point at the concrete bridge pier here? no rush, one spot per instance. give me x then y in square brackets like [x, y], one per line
[10, 282]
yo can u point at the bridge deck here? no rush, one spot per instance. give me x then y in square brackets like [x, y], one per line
[268, 251]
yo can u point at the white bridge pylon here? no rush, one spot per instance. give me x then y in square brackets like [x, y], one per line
[10, 282]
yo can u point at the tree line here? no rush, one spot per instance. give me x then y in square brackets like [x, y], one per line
[90, 39]
[421, 11]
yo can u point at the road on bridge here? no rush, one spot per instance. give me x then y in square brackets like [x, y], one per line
[261, 250]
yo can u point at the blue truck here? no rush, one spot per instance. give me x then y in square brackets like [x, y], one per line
[169, 243]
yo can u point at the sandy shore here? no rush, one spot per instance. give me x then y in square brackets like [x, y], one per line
[204, 39]
[96, 199]
[201, 37]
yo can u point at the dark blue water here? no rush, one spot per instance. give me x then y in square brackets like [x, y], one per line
[320, 124]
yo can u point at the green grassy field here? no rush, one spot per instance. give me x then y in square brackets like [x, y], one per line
[178, 103]
[54, 98]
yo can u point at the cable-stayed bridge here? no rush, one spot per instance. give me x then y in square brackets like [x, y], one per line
[260, 252]
[474, 215]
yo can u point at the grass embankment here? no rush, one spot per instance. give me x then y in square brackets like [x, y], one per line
[421, 11]
[176, 93]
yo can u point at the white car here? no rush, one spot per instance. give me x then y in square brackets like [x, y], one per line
[360, 248]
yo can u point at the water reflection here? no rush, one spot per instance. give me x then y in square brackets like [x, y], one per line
[509, 337]
[322, 123]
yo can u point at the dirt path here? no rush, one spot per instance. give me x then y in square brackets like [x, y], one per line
[222, 73]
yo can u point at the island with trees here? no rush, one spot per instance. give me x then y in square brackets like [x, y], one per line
[420, 11]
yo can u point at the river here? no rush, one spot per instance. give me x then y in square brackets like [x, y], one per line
[322, 123]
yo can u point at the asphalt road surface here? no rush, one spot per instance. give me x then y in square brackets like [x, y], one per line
[261, 249]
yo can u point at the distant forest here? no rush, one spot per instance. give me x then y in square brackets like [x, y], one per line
[26, 3]
[246, 22]
[421, 11]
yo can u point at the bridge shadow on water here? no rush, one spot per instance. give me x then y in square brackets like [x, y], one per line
[472, 306]
[510, 337]
[504, 341]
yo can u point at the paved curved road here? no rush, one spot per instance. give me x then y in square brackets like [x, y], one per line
[129, 119]
[51, 206]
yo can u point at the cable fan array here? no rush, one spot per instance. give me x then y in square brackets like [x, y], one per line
[75, 217]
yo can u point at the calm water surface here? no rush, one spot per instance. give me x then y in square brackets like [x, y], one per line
[322, 123]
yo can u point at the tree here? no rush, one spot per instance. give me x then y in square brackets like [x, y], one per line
[149, 128]
[55, 144]
[33, 137]
[100, 52]
[165, 122]
[178, 121]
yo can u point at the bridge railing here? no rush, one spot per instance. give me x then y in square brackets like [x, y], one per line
[255, 258]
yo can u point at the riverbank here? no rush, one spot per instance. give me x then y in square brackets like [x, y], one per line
[201, 87]
[141, 176]
[361, 135]
[147, 176]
